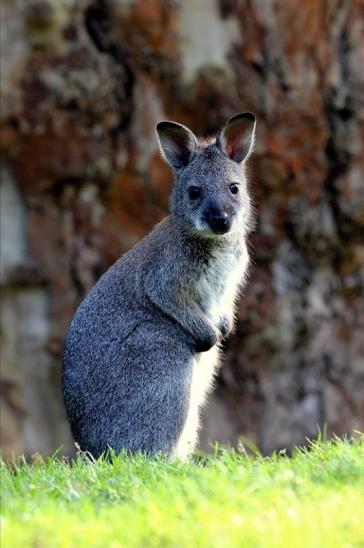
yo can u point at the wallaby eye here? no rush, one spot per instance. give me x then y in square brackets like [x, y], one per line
[234, 188]
[194, 192]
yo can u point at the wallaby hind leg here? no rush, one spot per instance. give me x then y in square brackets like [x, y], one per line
[158, 420]
[144, 404]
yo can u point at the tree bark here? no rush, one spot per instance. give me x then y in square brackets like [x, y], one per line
[83, 85]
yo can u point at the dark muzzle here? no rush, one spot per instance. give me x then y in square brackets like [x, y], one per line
[219, 220]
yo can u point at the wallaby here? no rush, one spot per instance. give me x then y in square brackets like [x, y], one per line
[143, 348]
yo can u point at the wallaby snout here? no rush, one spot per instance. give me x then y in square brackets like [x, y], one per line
[218, 218]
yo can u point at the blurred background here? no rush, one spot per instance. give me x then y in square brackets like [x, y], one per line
[83, 84]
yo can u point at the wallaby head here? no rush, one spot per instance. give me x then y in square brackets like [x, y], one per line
[210, 196]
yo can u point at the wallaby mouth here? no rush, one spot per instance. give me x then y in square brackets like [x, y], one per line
[220, 228]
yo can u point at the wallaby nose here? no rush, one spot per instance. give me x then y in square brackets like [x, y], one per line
[218, 220]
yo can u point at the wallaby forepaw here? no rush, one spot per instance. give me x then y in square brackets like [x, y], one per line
[203, 345]
[225, 327]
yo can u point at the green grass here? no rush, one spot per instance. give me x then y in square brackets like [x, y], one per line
[314, 499]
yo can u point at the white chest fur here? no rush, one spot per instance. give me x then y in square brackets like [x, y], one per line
[218, 286]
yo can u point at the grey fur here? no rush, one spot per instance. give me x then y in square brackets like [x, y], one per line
[143, 347]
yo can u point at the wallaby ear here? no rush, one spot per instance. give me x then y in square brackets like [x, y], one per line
[236, 139]
[177, 143]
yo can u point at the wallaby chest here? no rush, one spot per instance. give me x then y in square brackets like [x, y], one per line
[219, 281]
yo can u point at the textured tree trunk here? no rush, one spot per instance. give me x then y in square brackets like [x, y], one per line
[83, 84]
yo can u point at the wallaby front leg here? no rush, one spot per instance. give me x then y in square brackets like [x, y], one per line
[205, 333]
[187, 314]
